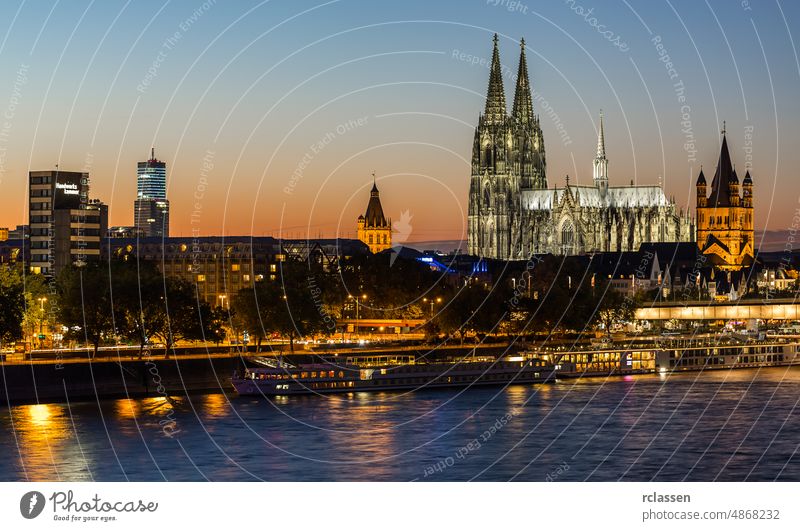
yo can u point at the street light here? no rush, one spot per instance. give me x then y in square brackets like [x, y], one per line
[433, 301]
[363, 297]
[222, 299]
[41, 300]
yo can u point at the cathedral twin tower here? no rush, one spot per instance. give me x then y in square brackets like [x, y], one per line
[512, 212]
[507, 156]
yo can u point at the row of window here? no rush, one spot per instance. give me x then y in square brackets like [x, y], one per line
[231, 279]
[745, 218]
[378, 239]
[695, 362]
[734, 351]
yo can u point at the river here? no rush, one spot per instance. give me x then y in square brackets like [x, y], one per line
[716, 425]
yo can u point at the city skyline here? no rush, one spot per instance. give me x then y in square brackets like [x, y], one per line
[272, 130]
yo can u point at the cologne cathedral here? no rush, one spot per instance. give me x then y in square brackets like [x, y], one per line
[513, 214]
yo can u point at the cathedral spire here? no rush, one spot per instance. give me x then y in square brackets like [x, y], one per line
[522, 110]
[601, 139]
[600, 163]
[495, 96]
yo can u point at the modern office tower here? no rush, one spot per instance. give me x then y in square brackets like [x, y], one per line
[151, 208]
[65, 227]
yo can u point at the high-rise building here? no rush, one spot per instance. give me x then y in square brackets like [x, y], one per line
[65, 227]
[151, 208]
[373, 228]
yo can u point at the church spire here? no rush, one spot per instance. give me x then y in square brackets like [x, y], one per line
[495, 96]
[600, 164]
[720, 192]
[601, 139]
[522, 111]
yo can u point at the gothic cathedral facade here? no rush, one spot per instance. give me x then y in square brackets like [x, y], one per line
[512, 212]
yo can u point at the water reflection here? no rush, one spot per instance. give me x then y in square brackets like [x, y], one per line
[48, 449]
[664, 427]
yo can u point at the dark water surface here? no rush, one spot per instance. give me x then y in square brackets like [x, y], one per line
[718, 425]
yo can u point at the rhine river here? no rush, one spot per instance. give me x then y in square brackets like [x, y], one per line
[718, 425]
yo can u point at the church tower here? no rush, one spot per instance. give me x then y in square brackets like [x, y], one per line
[600, 164]
[507, 157]
[493, 186]
[529, 141]
[373, 229]
[725, 232]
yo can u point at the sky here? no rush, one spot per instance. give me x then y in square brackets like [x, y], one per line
[273, 115]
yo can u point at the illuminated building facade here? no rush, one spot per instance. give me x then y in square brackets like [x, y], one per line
[151, 208]
[373, 228]
[725, 231]
[65, 227]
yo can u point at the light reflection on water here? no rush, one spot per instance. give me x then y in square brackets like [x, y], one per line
[724, 425]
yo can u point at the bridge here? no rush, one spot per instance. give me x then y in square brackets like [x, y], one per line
[780, 309]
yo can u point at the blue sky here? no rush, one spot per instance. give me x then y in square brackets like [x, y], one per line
[244, 89]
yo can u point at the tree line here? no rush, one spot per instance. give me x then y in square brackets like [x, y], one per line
[129, 301]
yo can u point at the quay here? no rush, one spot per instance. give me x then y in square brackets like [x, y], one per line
[37, 377]
[66, 376]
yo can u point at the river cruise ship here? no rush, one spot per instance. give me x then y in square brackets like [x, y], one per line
[384, 373]
[687, 356]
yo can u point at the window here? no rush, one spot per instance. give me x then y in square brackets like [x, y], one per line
[201, 278]
[567, 237]
[234, 267]
[370, 239]
[246, 278]
[273, 268]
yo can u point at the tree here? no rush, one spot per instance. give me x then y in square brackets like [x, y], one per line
[473, 309]
[37, 302]
[139, 308]
[185, 316]
[12, 304]
[246, 314]
[613, 308]
[85, 302]
[291, 305]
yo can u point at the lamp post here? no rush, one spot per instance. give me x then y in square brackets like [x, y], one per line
[363, 297]
[433, 301]
[222, 299]
[41, 300]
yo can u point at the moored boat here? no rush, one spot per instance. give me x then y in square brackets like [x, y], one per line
[330, 377]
